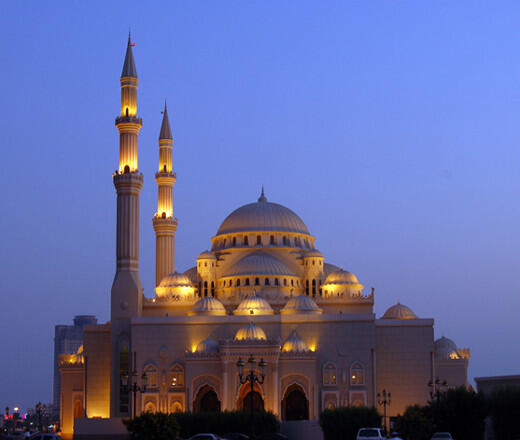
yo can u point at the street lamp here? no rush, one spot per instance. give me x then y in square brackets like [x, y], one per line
[384, 399]
[435, 388]
[134, 386]
[251, 377]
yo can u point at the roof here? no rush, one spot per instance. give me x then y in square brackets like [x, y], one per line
[399, 311]
[166, 132]
[300, 304]
[129, 69]
[254, 305]
[341, 277]
[175, 279]
[258, 263]
[262, 216]
[208, 306]
[294, 344]
[250, 332]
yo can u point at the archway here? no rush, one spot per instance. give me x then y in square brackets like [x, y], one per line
[206, 400]
[245, 396]
[295, 405]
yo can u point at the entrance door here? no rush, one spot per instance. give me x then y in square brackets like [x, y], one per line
[206, 400]
[295, 405]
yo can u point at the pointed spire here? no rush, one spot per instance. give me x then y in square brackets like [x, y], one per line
[166, 132]
[129, 65]
[262, 197]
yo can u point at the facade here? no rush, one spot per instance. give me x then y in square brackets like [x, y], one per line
[263, 290]
[67, 339]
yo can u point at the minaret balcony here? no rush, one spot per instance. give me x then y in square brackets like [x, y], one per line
[165, 178]
[134, 120]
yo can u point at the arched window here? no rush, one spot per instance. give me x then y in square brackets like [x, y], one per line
[329, 374]
[127, 168]
[285, 240]
[259, 239]
[257, 281]
[307, 287]
[357, 374]
[285, 281]
[292, 283]
[224, 243]
[200, 289]
[238, 282]
[246, 241]
[276, 282]
[306, 242]
[213, 288]
[247, 281]
[176, 377]
[267, 281]
[272, 239]
[151, 376]
[205, 288]
[163, 215]
[149, 407]
[313, 288]
[234, 241]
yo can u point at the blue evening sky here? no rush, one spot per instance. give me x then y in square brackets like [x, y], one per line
[391, 127]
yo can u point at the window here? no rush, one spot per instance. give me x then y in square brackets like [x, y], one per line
[200, 289]
[205, 264]
[238, 282]
[276, 282]
[357, 374]
[285, 240]
[292, 283]
[321, 290]
[176, 378]
[247, 281]
[151, 376]
[258, 240]
[213, 288]
[267, 281]
[272, 239]
[285, 281]
[329, 374]
[257, 281]
[306, 242]
[246, 241]
[313, 288]
[205, 288]
[307, 287]
[234, 241]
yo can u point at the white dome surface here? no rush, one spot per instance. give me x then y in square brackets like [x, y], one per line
[399, 311]
[262, 216]
[258, 263]
[208, 306]
[341, 277]
[254, 305]
[175, 279]
[314, 253]
[207, 346]
[206, 255]
[250, 332]
[300, 304]
[294, 344]
[445, 349]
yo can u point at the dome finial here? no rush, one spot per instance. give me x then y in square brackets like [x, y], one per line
[262, 197]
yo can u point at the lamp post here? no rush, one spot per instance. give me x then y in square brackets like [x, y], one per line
[251, 377]
[383, 399]
[435, 388]
[7, 419]
[134, 387]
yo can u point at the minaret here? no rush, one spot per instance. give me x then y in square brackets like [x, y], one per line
[164, 224]
[126, 295]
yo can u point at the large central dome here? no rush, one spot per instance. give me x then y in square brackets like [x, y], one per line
[262, 216]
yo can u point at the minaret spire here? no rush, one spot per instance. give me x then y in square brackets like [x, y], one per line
[262, 197]
[129, 69]
[164, 224]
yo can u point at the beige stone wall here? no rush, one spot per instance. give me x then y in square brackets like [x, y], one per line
[71, 397]
[97, 362]
[453, 371]
[404, 361]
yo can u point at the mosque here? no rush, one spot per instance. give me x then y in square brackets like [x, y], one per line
[263, 290]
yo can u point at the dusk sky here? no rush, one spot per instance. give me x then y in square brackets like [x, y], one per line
[391, 128]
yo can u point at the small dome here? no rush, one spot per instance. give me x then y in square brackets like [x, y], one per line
[206, 255]
[341, 277]
[300, 304]
[207, 346]
[294, 344]
[175, 279]
[250, 333]
[314, 253]
[399, 311]
[445, 349]
[254, 305]
[262, 216]
[258, 263]
[208, 306]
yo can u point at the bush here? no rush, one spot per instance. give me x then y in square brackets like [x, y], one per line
[152, 426]
[344, 423]
[159, 426]
[504, 408]
[416, 423]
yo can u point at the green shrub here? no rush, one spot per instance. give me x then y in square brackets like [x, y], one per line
[153, 426]
[504, 407]
[344, 423]
[415, 424]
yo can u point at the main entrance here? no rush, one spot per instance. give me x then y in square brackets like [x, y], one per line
[245, 396]
[295, 405]
[206, 400]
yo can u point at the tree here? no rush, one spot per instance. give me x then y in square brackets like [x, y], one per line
[153, 426]
[504, 408]
[416, 423]
[344, 423]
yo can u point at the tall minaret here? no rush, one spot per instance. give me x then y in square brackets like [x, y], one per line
[126, 296]
[164, 224]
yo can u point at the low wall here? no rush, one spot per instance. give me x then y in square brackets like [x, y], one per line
[302, 430]
[100, 429]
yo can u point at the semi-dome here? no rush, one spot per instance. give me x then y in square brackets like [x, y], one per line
[294, 344]
[258, 263]
[207, 346]
[445, 348]
[250, 332]
[300, 304]
[206, 255]
[208, 306]
[262, 216]
[341, 277]
[254, 305]
[399, 311]
[175, 279]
